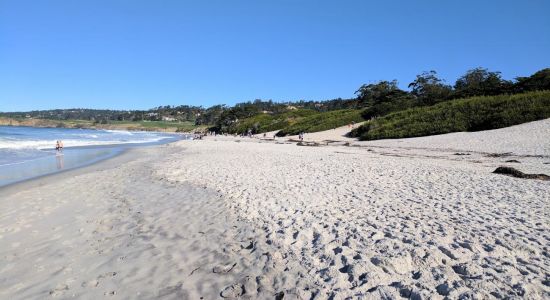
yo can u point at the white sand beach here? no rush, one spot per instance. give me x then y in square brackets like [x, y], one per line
[244, 218]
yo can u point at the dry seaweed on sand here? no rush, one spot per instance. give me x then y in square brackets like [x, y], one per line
[311, 144]
[518, 174]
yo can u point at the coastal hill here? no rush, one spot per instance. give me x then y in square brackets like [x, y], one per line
[479, 100]
[111, 125]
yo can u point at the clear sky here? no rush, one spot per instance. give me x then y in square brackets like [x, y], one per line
[139, 54]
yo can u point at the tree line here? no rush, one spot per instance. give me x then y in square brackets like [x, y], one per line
[376, 99]
[428, 89]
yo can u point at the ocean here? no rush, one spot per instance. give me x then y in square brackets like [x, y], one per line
[27, 152]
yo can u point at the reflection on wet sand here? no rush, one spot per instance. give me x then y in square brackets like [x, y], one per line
[68, 159]
[59, 161]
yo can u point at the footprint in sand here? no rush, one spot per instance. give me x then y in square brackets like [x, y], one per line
[232, 291]
[95, 283]
[220, 269]
[91, 283]
[106, 275]
[59, 289]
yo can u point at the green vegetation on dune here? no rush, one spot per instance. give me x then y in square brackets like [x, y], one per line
[296, 121]
[323, 121]
[470, 114]
[269, 122]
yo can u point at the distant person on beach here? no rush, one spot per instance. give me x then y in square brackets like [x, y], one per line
[59, 146]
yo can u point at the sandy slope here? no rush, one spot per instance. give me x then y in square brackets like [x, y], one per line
[386, 221]
[238, 218]
[337, 134]
[531, 138]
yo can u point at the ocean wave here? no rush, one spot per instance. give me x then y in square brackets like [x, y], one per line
[50, 144]
[124, 132]
[85, 135]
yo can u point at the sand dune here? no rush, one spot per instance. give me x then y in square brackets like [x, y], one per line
[525, 139]
[250, 219]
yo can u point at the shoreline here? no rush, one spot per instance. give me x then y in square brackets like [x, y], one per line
[41, 180]
[73, 157]
[93, 237]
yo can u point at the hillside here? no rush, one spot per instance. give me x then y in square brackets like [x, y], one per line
[470, 114]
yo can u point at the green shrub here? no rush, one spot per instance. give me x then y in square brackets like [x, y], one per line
[470, 114]
[268, 122]
[385, 108]
[323, 121]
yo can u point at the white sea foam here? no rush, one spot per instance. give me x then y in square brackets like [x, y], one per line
[86, 135]
[49, 144]
[125, 132]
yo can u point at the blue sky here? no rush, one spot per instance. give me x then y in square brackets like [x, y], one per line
[140, 54]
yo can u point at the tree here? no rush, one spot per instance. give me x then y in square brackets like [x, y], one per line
[536, 82]
[210, 115]
[429, 89]
[481, 82]
[377, 93]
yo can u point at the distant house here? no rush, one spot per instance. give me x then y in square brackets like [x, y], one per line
[168, 119]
